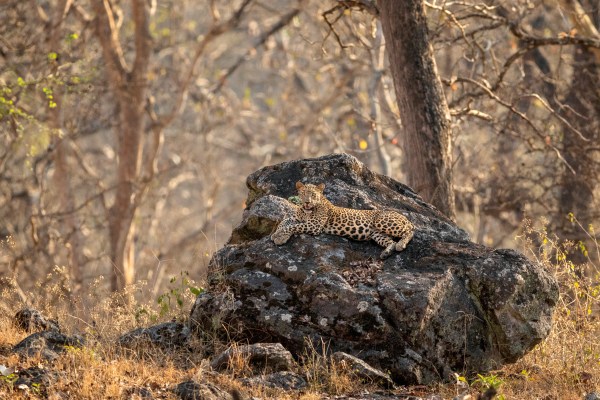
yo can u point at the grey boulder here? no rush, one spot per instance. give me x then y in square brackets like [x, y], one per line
[444, 304]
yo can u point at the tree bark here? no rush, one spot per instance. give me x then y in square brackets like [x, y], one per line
[427, 136]
[129, 86]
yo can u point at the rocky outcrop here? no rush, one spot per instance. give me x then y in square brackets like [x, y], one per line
[443, 304]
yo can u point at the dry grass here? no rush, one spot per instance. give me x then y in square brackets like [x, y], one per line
[566, 366]
[102, 370]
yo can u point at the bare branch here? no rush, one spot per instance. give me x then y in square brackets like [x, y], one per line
[518, 113]
[558, 116]
[284, 21]
[109, 40]
[330, 24]
[212, 34]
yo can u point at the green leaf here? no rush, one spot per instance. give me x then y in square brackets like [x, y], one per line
[295, 199]
[196, 291]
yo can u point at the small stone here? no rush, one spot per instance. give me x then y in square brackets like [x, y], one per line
[30, 320]
[362, 370]
[140, 393]
[271, 356]
[37, 378]
[168, 335]
[48, 344]
[191, 390]
[592, 396]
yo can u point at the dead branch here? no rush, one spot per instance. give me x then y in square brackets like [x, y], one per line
[284, 21]
[487, 90]
[211, 35]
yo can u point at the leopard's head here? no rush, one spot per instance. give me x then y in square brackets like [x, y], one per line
[310, 196]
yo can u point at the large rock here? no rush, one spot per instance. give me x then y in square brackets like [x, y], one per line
[443, 304]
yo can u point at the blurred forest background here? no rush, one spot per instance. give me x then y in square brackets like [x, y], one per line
[128, 128]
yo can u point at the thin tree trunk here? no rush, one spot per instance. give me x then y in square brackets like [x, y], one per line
[62, 177]
[129, 86]
[427, 137]
[378, 59]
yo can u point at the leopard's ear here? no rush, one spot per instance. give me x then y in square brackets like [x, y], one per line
[299, 185]
[321, 186]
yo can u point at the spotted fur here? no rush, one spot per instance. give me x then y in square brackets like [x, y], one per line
[317, 215]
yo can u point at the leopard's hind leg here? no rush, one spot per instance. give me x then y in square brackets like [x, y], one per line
[407, 237]
[384, 241]
[395, 225]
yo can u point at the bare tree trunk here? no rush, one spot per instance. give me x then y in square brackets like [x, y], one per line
[424, 112]
[378, 59]
[129, 86]
[62, 177]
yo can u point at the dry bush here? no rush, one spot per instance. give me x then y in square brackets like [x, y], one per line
[323, 374]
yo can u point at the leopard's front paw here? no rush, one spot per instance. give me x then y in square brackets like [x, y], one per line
[279, 238]
[387, 252]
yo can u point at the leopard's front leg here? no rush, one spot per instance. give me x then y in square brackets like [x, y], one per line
[284, 231]
[289, 227]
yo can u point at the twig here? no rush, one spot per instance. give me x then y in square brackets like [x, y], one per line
[511, 108]
[285, 20]
[330, 24]
[212, 34]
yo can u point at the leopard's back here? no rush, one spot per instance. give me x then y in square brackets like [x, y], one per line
[350, 223]
[316, 215]
[361, 224]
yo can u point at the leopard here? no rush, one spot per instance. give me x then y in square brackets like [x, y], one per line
[316, 215]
